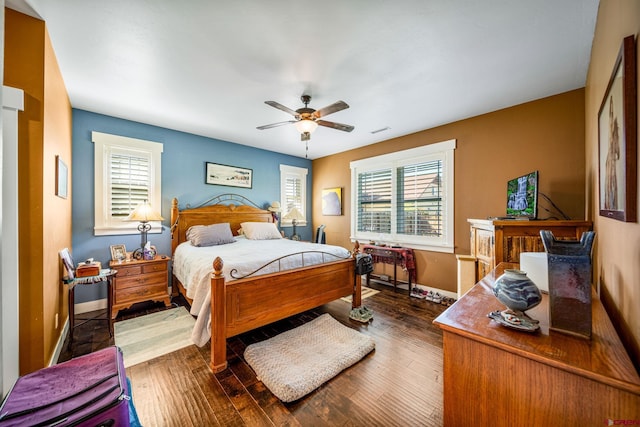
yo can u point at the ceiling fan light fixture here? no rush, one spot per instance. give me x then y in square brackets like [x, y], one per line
[306, 125]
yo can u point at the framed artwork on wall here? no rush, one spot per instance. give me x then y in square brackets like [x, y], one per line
[332, 201]
[61, 178]
[231, 176]
[617, 139]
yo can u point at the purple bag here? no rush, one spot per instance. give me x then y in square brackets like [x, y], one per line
[89, 390]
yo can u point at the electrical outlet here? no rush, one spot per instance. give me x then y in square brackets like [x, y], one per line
[55, 321]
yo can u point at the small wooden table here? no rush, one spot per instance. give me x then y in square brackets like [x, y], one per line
[393, 255]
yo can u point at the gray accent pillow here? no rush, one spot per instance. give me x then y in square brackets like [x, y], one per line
[210, 235]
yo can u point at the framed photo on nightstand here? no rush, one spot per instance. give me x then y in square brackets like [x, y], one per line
[118, 253]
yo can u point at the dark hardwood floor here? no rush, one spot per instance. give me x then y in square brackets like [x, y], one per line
[398, 384]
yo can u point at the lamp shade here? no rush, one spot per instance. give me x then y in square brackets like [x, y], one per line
[306, 125]
[294, 214]
[144, 213]
[275, 207]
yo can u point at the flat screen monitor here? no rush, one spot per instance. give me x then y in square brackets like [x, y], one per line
[522, 196]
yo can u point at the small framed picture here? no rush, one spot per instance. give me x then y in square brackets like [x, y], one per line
[118, 253]
[332, 201]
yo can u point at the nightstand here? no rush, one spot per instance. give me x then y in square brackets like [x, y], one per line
[140, 280]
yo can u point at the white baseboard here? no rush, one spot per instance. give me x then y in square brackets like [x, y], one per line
[88, 306]
[84, 307]
[404, 286]
[60, 343]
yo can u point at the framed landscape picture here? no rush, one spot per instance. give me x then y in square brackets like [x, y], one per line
[232, 176]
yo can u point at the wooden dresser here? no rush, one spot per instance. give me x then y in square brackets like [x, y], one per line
[140, 280]
[502, 377]
[496, 241]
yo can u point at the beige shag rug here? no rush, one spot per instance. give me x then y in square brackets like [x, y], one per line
[294, 363]
[147, 337]
[364, 293]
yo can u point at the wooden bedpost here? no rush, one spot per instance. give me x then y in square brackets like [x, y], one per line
[218, 318]
[356, 299]
[174, 225]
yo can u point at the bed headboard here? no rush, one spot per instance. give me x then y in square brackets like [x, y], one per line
[215, 211]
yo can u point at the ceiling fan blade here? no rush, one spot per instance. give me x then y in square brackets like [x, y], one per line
[336, 106]
[282, 107]
[273, 125]
[334, 125]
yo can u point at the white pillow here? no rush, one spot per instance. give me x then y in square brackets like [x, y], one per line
[260, 230]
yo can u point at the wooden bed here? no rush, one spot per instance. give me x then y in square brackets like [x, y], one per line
[248, 303]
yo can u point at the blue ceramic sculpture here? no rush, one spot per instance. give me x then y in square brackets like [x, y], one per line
[515, 290]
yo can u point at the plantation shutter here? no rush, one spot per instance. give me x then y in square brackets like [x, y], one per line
[419, 195]
[130, 182]
[374, 201]
[293, 193]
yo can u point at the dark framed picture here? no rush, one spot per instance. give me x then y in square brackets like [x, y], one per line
[332, 201]
[617, 139]
[62, 176]
[231, 176]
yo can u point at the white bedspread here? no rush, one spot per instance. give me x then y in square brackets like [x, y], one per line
[193, 266]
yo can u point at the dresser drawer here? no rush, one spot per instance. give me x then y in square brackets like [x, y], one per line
[140, 280]
[130, 270]
[152, 268]
[141, 293]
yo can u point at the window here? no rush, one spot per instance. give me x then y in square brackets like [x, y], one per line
[127, 172]
[405, 197]
[293, 192]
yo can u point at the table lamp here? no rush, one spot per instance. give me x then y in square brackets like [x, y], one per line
[143, 213]
[294, 215]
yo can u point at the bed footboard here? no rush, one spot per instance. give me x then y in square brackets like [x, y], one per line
[245, 304]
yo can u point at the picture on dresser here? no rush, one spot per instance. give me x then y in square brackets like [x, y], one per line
[118, 252]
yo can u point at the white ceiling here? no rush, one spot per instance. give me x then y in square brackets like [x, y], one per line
[206, 67]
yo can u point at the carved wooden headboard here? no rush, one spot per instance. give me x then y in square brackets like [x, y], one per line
[219, 209]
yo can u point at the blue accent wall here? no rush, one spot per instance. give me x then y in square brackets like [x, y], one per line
[183, 177]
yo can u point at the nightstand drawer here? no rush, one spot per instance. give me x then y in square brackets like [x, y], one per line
[140, 280]
[132, 270]
[141, 293]
[151, 268]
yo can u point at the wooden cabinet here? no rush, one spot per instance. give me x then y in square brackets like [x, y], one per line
[138, 281]
[502, 377]
[496, 241]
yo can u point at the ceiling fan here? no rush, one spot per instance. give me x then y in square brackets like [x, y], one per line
[307, 119]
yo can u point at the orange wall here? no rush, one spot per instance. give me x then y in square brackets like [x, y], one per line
[617, 254]
[44, 129]
[545, 135]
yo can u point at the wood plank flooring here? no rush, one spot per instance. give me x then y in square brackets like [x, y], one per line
[398, 384]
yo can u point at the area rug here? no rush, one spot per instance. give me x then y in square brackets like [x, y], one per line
[147, 337]
[364, 292]
[294, 363]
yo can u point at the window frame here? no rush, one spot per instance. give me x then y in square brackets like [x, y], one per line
[301, 174]
[443, 151]
[104, 145]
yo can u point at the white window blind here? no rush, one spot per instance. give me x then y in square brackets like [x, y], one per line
[406, 198]
[293, 192]
[130, 183]
[420, 196]
[374, 201]
[127, 172]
